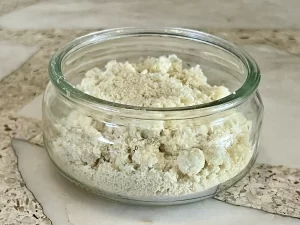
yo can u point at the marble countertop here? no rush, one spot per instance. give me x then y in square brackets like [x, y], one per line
[33, 192]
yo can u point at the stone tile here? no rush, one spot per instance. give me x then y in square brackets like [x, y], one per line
[196, 14]
[13, 55]
[64, 203]
[280, 92]
[7, 6]
[33, 109]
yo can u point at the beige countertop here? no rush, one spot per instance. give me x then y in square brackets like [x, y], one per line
[32, 30]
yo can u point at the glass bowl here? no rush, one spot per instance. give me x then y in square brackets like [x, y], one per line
[145, 155]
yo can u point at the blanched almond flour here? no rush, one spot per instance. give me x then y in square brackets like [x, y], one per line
[161, 158]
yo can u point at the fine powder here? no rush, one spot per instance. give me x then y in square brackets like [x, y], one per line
[155, 158]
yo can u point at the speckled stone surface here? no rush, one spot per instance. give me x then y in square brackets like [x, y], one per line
[18, 205]
[274, 189]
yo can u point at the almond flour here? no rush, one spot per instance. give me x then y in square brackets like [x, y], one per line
[163, 158]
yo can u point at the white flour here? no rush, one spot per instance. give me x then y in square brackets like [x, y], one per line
[163, 158]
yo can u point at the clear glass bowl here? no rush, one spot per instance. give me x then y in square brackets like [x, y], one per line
[104, 146]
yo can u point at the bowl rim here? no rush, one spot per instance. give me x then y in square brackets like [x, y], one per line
[75, 95]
